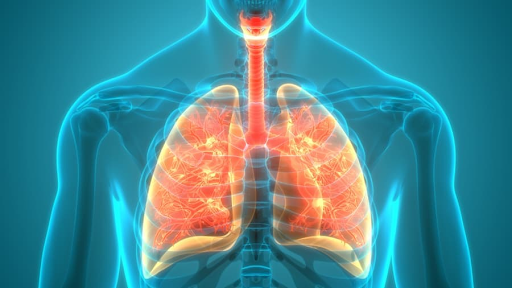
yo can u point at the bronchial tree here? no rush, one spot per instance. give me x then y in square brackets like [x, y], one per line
[210, 165]
[256, 177]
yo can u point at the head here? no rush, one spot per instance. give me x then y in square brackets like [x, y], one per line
[282, 11]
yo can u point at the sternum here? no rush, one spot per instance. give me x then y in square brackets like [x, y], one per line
[257, 132]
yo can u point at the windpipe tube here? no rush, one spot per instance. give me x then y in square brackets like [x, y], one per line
[256, 30]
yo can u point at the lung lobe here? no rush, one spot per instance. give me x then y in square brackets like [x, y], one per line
[193, 202]
[320, 195]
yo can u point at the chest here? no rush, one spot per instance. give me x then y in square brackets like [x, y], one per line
[294, 179]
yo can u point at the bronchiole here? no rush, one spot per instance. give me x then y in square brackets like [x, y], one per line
[193, 199]
[320, 193]
[206, 192]
[199, 211]
[326, 167]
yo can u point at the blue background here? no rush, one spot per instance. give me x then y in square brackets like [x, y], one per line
[459, 51]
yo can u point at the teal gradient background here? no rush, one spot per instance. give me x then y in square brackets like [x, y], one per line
[459, 51]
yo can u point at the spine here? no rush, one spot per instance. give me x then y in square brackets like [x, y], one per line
[256, 253]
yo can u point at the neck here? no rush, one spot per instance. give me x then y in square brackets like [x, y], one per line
[217, 29]
[221, 28]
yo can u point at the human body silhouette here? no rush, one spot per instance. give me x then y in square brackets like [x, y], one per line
[401, 135]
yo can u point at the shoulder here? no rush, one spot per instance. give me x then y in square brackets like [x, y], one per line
[157, 72]
[426, 99]
[356, 72]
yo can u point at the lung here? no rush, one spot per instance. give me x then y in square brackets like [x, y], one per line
[320, 194]
[196, 194]
[194, 198]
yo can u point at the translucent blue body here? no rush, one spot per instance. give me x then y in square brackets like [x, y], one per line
[110, 140]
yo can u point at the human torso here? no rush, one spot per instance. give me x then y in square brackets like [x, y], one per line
[354, 102]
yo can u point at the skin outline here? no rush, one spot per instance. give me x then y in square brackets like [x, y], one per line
[87, 107]
[233, 25]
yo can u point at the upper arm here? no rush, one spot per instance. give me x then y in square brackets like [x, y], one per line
[453, 243]
[59, 236]
[431, 238]
[73, 225]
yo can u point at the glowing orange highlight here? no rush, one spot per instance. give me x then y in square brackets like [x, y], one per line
[329, 187]
[256, 31]
[320, 193]
[197, 203]
[195, 193]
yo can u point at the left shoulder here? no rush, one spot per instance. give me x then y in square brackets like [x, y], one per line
[428, 100]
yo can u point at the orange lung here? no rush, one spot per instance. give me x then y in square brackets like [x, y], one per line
[320, 194]
[194, 197]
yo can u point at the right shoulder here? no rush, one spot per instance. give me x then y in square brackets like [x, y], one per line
[94, 91]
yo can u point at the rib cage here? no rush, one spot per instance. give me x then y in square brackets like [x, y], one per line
[197, 190]
[320, 196]
[194, 196]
